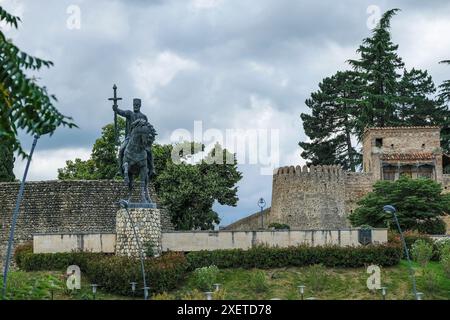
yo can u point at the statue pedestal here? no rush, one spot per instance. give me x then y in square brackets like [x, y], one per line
[147, 224]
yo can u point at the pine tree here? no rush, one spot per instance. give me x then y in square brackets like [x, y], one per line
[444, 97]
[332, 122]
[379, 66]
[416, 105]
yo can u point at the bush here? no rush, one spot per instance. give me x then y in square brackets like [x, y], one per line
[258, 282]
[112, 273]
[204, 278]
[436, 226]
[279, 226]
[317, 277]
[264, 257]
[410, 238]
[422, 252]
[442, 246]
[445, 263]
[430, 281]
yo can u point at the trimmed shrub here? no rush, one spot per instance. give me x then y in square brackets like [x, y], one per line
[445, 262]
[112, 273]
[264, 257]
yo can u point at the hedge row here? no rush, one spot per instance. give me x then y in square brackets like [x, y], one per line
[269, 257]
[112, 273]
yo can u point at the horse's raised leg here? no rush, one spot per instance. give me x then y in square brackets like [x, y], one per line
[144, 174]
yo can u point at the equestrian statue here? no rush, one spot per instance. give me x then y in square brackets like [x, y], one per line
[135, 153]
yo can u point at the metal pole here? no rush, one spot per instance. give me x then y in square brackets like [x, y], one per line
[141, 255]
[14, 218]
[411, 271]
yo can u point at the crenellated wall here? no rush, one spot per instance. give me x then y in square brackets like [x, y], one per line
[309, 197]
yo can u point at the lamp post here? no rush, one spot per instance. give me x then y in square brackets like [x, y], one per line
[261, 205]
[14, 218]
[391, 209]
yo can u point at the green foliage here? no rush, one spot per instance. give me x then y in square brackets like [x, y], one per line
[189, 191]
[112, 273]
[258, 282]
[430, 281]
[21, 286]
[317, 277]
[269, 257]
[25, 105]
[148, 249]
[379, 92]
[6, 161]
[204, 278]
[115, 273]
[333, 121]
[417, 201]
[432, 226]
[103, 163]
[279, 226]
[445, 262]
[422, 252]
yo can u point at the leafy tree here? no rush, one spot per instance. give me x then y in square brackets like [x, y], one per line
[189, 191]
[6, 162]
[332, 122]
[103, 163]
[417, 201]
[24, 104]
[379, 66]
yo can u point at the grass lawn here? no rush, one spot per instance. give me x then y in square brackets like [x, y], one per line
[327, 283]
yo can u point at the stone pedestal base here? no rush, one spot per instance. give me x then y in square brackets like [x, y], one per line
[147, 222]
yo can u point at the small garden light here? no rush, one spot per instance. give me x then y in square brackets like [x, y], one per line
[419, 295]
[133, 287]
[302, 291]
[216, 286]
[383, 292]
[208, 295]
[146, 289]
[94, 290]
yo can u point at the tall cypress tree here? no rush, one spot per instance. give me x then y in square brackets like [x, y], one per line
[332, 122]
[379, 66]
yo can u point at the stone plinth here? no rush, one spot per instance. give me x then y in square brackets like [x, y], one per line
[147, 222]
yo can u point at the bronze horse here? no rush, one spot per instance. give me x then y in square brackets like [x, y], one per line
[136, 158]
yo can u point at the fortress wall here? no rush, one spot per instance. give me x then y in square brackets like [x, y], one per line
[309, 198]
[70, 207]
[357, 185]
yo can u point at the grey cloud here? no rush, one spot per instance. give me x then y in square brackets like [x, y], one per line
[299, 41]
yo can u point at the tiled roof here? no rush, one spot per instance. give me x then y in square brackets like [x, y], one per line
[401, 128]
[408, 156]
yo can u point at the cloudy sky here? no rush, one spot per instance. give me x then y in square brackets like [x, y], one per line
[232, 64]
